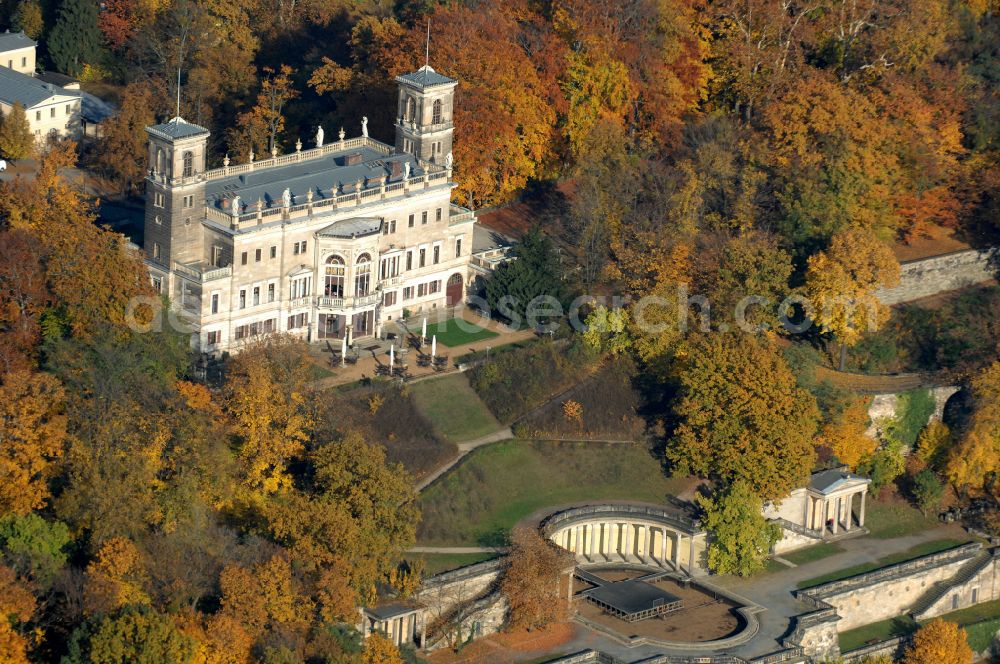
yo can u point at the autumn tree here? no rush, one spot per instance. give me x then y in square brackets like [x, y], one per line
[115, 577]
[939, 642]
[258, 128]
[122, 152]
[32, 433]
[741, 537]
[845, 436]
[607, 330]
[742, 416]
[933, 444]
[380, 650]
[975, 457]
[24, 299]
[267, 401]
[531, 579]
[16, 139]
[264, 597]
[17, 606]
[842, 281]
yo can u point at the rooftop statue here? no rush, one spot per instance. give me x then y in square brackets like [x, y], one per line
[319, 136]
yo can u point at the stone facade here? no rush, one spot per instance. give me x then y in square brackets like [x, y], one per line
[462, 602]
[883, 408]
[328, 243]
[937, 274]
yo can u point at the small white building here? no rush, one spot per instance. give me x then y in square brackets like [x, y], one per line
[17, 52]
[51, 110]
[831, 506]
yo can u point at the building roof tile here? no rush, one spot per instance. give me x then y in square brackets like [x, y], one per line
[29, 91]
[13, 41]
[425, 77]
[176, 128]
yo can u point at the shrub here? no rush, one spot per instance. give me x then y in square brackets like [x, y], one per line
[913, 410]
[927, 491]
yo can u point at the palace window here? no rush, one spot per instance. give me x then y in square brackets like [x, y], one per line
[392, 226]
[408, 293]
[215, 303]
[188, 164]
[436, 113]
[158, 198]
[298, 320]
[437, 215]
[256, 255]
[274, 251]
[243, 258]
[270, 292]
[335, 273]
[389, 298]
[243, 298]
[214, 337]
[256, 295]
[458, 247]
[423, 257]
[423, 217]
[156, 250]
[437, 254]
[411, 108]
[362, 275]
[410, 224]
[434, 286]
[409, 261]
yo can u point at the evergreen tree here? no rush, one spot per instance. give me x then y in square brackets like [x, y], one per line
[16, 139]
[534, 273]
[75, 39]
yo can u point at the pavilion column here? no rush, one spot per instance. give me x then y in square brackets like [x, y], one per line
[691, 556]
[594, 539]
[849, 512]
[835, 518]
[676, 553]
[649, 543]
[605, 539]
[861, 514]
[423, 631]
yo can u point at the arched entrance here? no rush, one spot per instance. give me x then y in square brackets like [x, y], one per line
[453, 292]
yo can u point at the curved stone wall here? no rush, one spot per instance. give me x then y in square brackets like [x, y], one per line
[602, 534]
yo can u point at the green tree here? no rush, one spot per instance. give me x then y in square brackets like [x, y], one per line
[741, 537]
[607, 330]
[927, 490]
[135, 636]
[28, 18]
[75, 39]
[742, 416]
[534, 273]
[16, 139]
[35, 548]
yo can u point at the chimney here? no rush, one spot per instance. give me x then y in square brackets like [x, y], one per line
[353, 158]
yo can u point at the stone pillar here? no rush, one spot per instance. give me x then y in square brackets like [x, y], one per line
[423, 630]
[861, 514]
[848, 513]
[649, 542]
[691, 560]
[606, 539]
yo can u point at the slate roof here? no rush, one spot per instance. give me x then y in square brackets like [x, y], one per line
[176, 128]
[828, 481]
[12, 41]
[18, 87]
[392, 610]
[318, 175]
[425, 77]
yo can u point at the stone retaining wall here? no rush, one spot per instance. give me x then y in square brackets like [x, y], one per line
[937, 274]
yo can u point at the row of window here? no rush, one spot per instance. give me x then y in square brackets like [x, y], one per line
[24, 62]
[420, 290]
[52, 112]
[410, 112]
[252, 329]
[390, 226]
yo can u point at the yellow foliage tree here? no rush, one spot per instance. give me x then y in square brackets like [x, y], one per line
[32, 432]
[846, 436]
[939, 642]
[265, 597]
[17, 605]
[267, 400]
[114, 578]
[573, 411]
[380, 650]
[934, 443]
[841, 284]
[976, 455]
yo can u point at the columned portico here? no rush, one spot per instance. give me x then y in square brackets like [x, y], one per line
[830, 502]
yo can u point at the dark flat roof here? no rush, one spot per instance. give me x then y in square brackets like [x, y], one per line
[828, 480]
[632, 596]
[392, 610]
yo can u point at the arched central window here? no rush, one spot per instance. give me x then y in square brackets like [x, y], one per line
[188, 164]
[437, 112]
[411, 109]
[362, 275]
[335, 272]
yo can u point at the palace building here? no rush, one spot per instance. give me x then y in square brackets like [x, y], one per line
[323, 243]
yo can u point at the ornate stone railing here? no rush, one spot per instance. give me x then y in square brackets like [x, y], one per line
[347, 303]
[686, 524]
[295, 157]
[796, 528]
[460, 215]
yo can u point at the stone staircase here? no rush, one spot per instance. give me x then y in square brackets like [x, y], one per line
[980, 561]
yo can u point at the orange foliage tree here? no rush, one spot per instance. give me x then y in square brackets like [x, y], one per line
[939, 642]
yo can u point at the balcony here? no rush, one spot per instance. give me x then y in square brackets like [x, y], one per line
[203, 273]
[348, 303]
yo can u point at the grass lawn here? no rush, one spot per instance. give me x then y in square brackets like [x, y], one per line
[453, 408]
[436, 563]
[895, 519]
[981, 623]
[478, 501]
[880, 631]
[813, 553]
[914, 552]
[456, 332]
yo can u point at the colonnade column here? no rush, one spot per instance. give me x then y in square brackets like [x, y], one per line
[861, 514]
